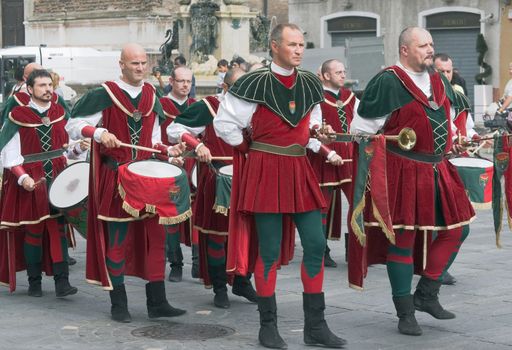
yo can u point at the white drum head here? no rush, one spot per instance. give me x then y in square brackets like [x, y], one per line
[227, 170]
[194, 176]
[153, 168]
[471, 162]
[70, 187]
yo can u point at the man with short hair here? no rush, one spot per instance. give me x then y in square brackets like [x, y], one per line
[173, 104]
[337, 111]
[279, 107]
[210, 219]
[423, 188]
[128, 112]
[32, 149]
[22, 98]
[180, 61]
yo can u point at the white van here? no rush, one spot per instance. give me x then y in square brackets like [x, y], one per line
[75, 65]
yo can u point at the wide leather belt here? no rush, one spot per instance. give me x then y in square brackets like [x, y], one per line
[416, 156]
[294, 150]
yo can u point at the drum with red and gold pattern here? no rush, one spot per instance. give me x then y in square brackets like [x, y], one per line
[155, 187]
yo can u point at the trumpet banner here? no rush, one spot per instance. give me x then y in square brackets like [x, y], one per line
[371, 173]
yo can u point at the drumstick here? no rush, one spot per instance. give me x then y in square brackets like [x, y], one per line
[342, 161]
[472, 153]
[140, 148]
[39, 182]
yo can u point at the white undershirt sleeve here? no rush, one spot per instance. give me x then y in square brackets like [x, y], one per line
[233, 116]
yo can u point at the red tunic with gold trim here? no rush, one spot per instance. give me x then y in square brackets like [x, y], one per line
[19, 206]
[205, 218]
[338, 113]
[411, 184]
[171, 111]
[105, 202]
[116, 122]
[289, 185]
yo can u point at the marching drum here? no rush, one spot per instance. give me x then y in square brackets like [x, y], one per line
[156, 187]
[476, 173]
[223, 189]
[68, 193]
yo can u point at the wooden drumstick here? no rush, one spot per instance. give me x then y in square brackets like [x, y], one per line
[342, 161]
[140, 148]
[39, 182]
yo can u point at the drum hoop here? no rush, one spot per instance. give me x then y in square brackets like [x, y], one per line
[489, 163]
[80, 202]
[154, 161]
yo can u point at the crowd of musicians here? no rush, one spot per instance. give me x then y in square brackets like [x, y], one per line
[236, 175]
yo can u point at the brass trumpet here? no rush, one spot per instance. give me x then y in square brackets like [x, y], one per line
[406, 138]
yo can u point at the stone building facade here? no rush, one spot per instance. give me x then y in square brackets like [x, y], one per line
[454, 24]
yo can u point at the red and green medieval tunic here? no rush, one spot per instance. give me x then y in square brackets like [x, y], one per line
[414, 178]
[276, 177]
[133, 120]
[41, 137]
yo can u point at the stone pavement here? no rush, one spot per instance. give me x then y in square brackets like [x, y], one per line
[482, 300]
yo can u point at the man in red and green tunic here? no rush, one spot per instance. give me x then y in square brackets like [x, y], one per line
[22, 97]
[128, 111]
[173, 105]
[212, 223]
[423, 188]
[279, 105]
[31, 143]
[337, 111]
[462, 119]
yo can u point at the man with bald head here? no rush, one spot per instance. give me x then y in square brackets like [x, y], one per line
[212, 222]
[173, 104]
[337, 111]
[22, 96]
[125, 110]
[423, 187]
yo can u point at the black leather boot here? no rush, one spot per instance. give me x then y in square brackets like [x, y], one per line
[242, 287]
[407, 323]
[157, 303]
[61, 277]
[448, 279]
[316, 331]
[34, 280]
[269, 335]
[176, 262]
[219, 280]
[426, 299]
[328, 261]
[119, 308]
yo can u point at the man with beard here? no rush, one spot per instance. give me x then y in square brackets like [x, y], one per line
[423, 187]
[32, 152]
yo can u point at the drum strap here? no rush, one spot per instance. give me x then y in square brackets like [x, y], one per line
[294, 150]
[38, 157]
[416, 156]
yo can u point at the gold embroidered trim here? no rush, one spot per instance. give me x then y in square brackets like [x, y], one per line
[210, 108]
[325, 184]
[16, 224]
[175, 219]
[219, 209]
[332, 104]
[420, 227]
[121, 106]
[37, 124]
